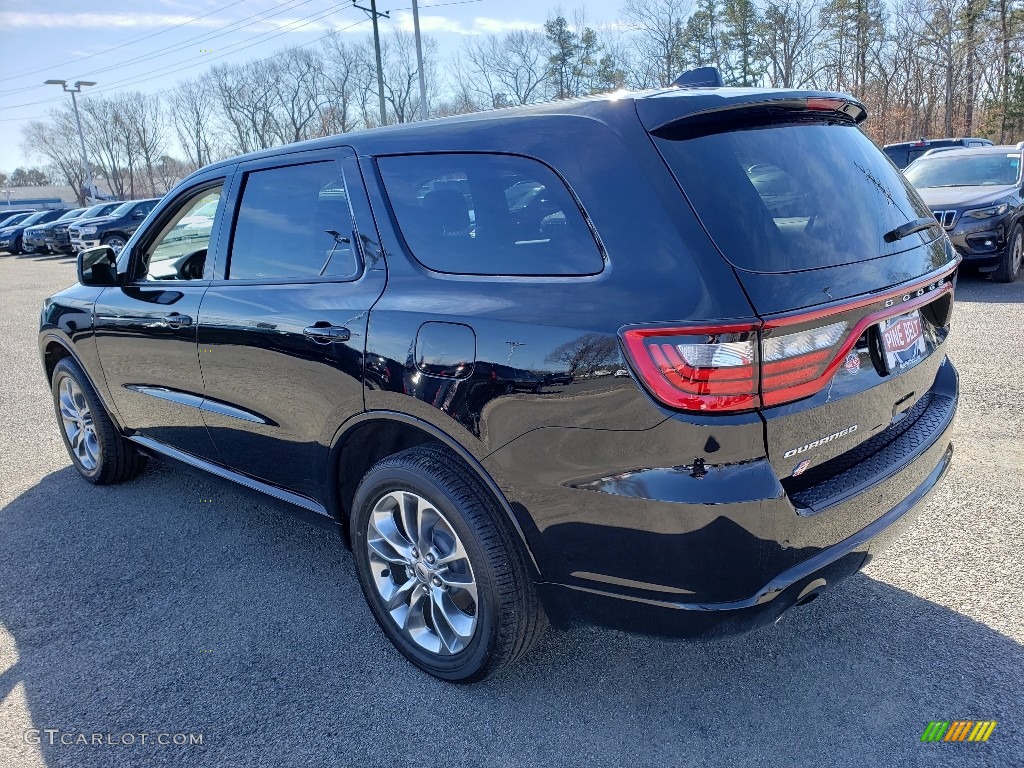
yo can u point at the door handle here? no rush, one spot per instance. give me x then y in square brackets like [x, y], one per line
[326, 334]
[175, 320]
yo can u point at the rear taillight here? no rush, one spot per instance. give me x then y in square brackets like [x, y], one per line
[698, 369]
[792, 363]
[742, 367]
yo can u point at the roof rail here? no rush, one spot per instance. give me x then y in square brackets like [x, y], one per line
[702, 77]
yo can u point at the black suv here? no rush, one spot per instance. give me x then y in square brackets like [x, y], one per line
[114, 229]
[58, 237]
[906, 152]
[978, 197]
[616, 360]
[46, 237]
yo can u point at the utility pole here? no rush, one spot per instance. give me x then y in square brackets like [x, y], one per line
[419, 59]
[77, 88]
[374, 15]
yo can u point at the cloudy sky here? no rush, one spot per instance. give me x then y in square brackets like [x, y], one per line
[149, 45]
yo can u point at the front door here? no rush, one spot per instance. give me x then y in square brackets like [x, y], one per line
[282, 328]
[146, 328]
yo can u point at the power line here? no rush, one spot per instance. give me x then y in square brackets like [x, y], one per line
[174, 47]
[206, 37]
[181, 65]
[124, 83]
[124, 44]
[322, 15]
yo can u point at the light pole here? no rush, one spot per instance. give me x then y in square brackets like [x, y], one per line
[77, 88]
[419, 59]
[374, 14]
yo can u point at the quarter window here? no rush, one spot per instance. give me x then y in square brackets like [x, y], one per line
[485, 214]
[294, 222]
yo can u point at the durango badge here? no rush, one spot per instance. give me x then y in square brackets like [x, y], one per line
[821, 441]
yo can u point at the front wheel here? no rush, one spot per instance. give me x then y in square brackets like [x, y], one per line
[17, 245]
[97, 450]
[1009, 266]
[440, 570]
[116, 242]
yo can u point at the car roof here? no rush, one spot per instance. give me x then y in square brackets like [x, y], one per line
[679, 102]
[974, 151]
[936, 142]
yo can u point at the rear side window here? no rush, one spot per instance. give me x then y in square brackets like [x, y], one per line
[481, 214]
[791, 196]
[293, 222]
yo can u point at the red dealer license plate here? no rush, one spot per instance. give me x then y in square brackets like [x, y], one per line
[903, 340]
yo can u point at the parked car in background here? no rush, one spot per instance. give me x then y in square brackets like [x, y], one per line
[7, 212]
[906, 152]
[977, 195]
[113, 229]
[61, 236]
[366, 330]
[49, 231]
[12, 238]
[10, 221]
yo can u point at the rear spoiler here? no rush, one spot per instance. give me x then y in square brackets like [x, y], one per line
[699, 108]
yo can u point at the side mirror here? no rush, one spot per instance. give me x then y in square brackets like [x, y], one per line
[97, 266]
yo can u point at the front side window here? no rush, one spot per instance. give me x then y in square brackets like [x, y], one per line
[484, 214]
[179, 252]
[294, 222]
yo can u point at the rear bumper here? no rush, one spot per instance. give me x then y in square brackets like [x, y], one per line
[658, 550]
[830, 566]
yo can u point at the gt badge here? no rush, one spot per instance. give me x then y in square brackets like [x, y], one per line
[852, 364]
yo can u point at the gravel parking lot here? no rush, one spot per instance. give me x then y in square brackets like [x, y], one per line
[175, 604]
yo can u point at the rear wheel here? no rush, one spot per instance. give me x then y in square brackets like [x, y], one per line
[97, 450]
[1009, 266]
[440, 569]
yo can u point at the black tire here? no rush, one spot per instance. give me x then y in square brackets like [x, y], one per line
[509, 617]
[1009, 266]
[117, 459]
[17, 246]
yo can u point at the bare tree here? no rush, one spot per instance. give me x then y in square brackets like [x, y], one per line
[660, 27]
[192, 111]
[401, 74]
[505, 71]
[340, 71]
[789, 35]
[55, 140]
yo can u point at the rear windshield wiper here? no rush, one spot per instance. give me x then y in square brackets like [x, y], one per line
[903, 230]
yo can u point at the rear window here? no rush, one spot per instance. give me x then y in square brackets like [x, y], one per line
[792, 196]
[486, 214]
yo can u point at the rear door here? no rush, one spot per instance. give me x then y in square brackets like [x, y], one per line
[282, 329]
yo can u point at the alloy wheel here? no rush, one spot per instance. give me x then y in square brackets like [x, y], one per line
[422, 573]
[78, 424]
